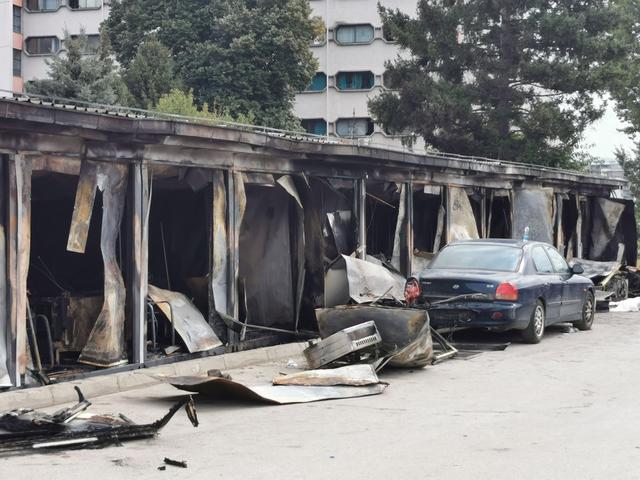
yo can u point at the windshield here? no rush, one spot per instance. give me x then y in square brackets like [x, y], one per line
[471, 256]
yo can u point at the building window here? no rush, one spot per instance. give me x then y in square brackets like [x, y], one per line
[84, 4]
[17, 19]
[42, 45]
[42, 5]
[354, 80]
[17, 63]
[354, 34]
[318, 83]
[354, 127]
[315, 126]
[93, 43]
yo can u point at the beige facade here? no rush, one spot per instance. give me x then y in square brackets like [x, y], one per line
[38, 29]
[351, 70]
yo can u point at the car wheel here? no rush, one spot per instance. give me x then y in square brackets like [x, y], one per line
[535, 330]
[588, 312]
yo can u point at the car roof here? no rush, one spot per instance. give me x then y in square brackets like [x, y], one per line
[499, 241]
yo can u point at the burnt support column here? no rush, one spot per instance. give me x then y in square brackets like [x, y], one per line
[19, 245]
[5, 344]
[219, 264]
[237, 201]
[141, 203]
[408, 264]
[360, 210]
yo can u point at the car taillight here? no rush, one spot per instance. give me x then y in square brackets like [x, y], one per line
[506, 291]
[411, 290]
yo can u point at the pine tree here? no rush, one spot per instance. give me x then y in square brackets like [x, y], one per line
[83, 73]
[150, 73]
[507, 79]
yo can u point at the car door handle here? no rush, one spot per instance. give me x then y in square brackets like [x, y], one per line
[547, 284]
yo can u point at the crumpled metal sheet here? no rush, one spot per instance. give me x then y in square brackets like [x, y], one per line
[224, 389]
[606, 216]
[189, 323]
[361, 281]
[106, 346]
[463, 224]
[593, 268]
[398, 327]
[533, 208]
[354, 375]
[416, 354]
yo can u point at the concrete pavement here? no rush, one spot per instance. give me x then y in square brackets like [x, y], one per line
[566, 408]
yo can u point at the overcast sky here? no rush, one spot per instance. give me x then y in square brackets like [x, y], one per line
[602, 138]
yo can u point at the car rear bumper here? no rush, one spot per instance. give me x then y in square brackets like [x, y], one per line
[497, 316]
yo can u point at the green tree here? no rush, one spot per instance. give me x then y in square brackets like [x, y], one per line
[150, 73]
[243, 56]
[625, 90]
[500, 78]
[178, 102]
[83, 73]
[625, 85]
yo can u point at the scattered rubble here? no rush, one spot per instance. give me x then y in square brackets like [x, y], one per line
[71, 428]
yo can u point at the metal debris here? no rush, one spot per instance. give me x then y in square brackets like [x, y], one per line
[197, 334]
[354, 339]
[30, 430]
[362, 281]
[175, 463]
[222, 389]
[356, 375]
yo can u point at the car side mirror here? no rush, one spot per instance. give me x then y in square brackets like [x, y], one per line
[577, 269]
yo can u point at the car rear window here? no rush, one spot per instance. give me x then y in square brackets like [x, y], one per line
[497, 258]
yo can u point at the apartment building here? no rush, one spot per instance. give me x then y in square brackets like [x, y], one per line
[351, 59]
[11, 41]
[32, 31]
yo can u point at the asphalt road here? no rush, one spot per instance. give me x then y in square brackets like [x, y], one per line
[567, 408]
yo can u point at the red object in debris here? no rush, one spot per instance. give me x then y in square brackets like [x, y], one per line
[411, 290]
[506, 291]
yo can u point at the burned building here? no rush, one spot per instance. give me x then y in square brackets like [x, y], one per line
[131, 240]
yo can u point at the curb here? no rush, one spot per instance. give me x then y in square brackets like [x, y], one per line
[50, 395]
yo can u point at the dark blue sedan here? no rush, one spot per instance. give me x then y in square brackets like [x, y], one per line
[503, 285]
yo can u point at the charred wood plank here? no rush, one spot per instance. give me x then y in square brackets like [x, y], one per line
[83, 207]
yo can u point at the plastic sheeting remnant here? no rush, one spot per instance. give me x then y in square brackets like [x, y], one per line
[463, 222]
[224, 389]
[355, 375]
[266, 263]
[196, 333]
[606, 216]
[340, 224]
[533, 208]
[361, 281]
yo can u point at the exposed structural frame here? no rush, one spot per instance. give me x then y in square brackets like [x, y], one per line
[130, 154]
